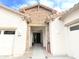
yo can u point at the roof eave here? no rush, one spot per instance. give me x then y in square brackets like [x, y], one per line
[12, 10]
[67, 12]
[41, 5]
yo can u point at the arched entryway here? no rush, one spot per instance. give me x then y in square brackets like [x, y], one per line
[38, 35]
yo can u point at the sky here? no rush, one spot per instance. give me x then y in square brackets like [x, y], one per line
[60, 5]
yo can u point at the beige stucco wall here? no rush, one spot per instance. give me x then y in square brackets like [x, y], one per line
[57, 43]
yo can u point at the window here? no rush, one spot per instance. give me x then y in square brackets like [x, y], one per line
[9, 32]
[74, 28]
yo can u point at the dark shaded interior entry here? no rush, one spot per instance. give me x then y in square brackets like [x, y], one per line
[36, 38]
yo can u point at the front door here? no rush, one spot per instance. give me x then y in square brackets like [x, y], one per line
[36, 38]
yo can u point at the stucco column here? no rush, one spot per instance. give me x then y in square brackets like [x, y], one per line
[43, 32]
[47, 40]
[46, 35]
[28, 37]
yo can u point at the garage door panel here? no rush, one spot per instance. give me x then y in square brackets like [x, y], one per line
[6, 44]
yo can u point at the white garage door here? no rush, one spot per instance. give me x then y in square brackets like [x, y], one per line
[74, 40]
[6, 42]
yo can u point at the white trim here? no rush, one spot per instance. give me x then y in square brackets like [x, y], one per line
[72, 22]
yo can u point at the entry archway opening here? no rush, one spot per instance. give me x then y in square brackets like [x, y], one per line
[37, 35]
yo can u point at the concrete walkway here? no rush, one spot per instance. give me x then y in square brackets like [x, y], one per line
[38, 52]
